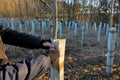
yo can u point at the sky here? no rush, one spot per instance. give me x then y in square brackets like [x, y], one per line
[67, 0]
[88, 1]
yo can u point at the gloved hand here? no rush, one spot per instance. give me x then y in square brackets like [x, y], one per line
[47, 44]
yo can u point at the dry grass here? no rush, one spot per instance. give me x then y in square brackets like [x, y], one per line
[87, 62]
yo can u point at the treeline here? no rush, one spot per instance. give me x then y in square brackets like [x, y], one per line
[42, 9]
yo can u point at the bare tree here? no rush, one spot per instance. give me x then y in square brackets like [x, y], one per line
[55, 18]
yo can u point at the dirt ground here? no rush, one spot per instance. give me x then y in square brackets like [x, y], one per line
[87, 62]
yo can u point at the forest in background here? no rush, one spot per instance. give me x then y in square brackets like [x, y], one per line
[42, 9]
[86, 47]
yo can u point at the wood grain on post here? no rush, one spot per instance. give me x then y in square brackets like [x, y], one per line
[3, 56]
[57, 68]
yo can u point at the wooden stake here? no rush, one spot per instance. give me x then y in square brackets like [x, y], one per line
[57, 68]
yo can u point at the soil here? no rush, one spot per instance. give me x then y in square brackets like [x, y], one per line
[82, 62]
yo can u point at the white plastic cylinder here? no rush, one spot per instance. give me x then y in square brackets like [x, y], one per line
[95, 27]
[83, 33]
[99, 32]
[87, 25]
[60, 27]
[75, 29]
[21, 28]
[107, 30]
[43, 27]
[33, 28]
[111, 49]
